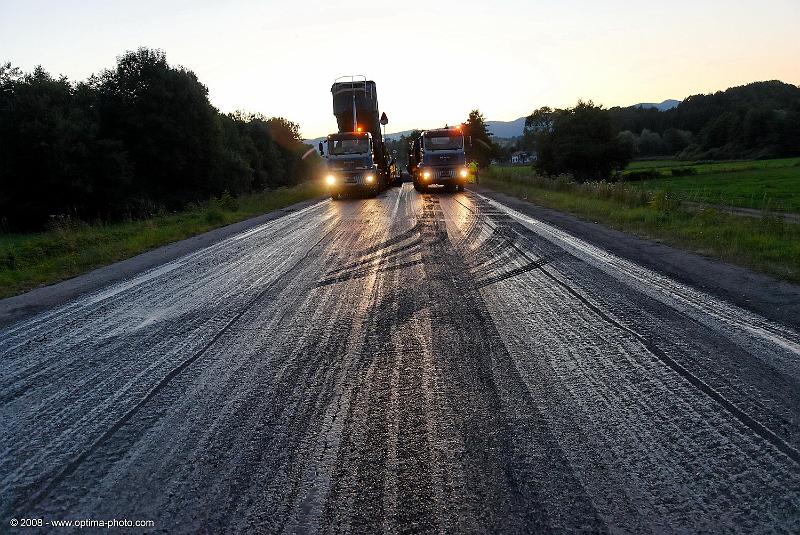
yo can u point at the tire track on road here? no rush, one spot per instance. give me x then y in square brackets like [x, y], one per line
[518, 478]
[745, 419]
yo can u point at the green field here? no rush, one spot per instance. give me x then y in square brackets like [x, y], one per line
[763, 185]
[768, 244]
[73, 247]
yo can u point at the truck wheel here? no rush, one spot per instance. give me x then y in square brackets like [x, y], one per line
[419, 187]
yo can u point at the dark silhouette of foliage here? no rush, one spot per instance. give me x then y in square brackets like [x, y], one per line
[580, 141]
[399, 147]
[479, 147]
[136, 139]
[757, 120]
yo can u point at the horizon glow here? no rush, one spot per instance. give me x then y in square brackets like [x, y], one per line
[432, 63]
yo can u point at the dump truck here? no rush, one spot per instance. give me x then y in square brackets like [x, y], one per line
[437, 157]
[356, 159]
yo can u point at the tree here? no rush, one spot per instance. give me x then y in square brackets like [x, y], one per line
[8, 74]
[651, 144]
[740, 122]
[404, 144]
[285, 133]
[629, 142]
[481, 149]
[133, 140]
[677, 140]
[290, 146]
[46, 136]
[163, 117]
[537, 122]
[581, 142]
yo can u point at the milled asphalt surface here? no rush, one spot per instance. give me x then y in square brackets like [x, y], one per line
[774, 299]
[22, 306]
[405, 364]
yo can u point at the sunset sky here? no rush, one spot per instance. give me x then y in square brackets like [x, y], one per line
[432, 61]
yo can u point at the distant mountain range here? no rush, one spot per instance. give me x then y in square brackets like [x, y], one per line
[661, 106]
[509, 129]
[497, 128]
[506, 128]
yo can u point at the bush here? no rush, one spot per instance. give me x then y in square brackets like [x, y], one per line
[214, 215]
[665, 201]
[644, 174]
[8, 261]
[614, 191]
[227, 202]
[562, 183]
[565, 183]
[683, 171]
[651, 144]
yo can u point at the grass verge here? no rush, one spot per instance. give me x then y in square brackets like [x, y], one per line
[761, 184]
[769, 244]
[70, 248]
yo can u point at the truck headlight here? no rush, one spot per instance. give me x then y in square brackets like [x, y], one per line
[369, 179]
[464, 173]
[330, 180]
[426, 175]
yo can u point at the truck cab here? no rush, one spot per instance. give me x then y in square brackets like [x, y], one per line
[350, 164]
[438, 158]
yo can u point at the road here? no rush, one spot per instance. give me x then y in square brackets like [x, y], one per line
[403, 364]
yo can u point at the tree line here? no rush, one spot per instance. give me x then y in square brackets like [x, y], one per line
[758, 120]
[131, 141]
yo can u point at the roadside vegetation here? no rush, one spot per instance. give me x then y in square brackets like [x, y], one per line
[96, 171]
[654, 209]
[69, 246]
[130, 142]
[756, 121]
[772, 185]
[698, 161]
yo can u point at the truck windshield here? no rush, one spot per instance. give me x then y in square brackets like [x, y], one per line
[444, 142]
[349, 146]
